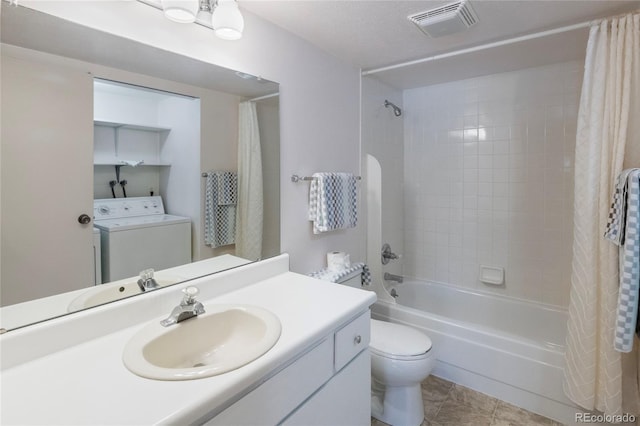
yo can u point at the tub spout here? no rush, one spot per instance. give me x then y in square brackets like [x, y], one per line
[391, 277]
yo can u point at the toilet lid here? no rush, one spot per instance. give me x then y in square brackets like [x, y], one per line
[397, 339]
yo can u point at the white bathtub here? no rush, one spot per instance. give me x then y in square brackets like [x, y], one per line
[500, 346]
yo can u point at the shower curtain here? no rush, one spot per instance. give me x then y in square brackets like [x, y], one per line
[608, 140]
[250, 198]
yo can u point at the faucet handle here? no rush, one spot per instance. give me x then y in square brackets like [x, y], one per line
[146, 274]
[388, 255]
[190, 294]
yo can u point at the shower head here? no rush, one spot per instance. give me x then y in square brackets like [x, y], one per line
[396, 110]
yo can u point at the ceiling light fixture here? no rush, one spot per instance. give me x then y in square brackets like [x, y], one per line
[226, 19]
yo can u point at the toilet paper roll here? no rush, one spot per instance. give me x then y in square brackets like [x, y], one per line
[338, 260]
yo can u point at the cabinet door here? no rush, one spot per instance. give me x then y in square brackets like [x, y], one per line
[46, 179]
[273, 400]
[344, 401]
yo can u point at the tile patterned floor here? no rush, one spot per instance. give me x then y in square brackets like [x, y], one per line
[449, 404]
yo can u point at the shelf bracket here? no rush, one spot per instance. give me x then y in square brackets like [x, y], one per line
[116, 138]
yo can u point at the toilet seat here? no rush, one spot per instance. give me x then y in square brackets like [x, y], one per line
[396, 341]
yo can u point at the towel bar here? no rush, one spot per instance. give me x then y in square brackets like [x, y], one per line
[296, 178]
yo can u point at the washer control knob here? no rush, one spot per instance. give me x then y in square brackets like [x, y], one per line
[84, 219]
[103, 209]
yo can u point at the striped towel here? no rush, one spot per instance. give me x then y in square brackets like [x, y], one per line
[333, 201]
[221, 195]
[623, 229]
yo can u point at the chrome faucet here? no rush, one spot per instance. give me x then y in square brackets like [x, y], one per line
[188, 308]
[146, 281]
[392, 277]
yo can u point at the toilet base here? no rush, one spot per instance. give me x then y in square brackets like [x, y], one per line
[400, 406]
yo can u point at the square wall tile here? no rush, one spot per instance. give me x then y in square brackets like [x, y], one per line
[490, 169]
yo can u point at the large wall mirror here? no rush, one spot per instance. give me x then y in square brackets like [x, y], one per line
[102, 135]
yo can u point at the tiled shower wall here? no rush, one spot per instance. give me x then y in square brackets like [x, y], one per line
[489, 180]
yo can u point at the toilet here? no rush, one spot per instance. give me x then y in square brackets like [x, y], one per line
[401, 358]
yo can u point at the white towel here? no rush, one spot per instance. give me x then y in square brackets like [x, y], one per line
[333, 201]
[623, 229]
[220, 208]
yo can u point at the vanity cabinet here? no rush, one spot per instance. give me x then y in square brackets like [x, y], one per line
[344, 400]
[328, 384]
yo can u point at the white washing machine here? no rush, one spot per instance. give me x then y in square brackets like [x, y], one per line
[136, 234]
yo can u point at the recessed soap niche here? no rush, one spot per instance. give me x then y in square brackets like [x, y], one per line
[138, 134]
[492, 275]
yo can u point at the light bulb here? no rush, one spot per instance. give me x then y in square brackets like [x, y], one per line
[227, 21]
[182, 11]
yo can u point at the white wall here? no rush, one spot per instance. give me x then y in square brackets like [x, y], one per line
[219, 151]
[319, 103]
[139, 181]
[489, 180]
[268, 112]
[180, 183]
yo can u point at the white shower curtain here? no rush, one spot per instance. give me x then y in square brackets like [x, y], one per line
[250, 198]
[596, 376]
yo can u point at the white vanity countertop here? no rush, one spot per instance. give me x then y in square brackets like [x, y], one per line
[89, 384]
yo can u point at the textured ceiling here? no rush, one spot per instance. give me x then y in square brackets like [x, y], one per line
[376, 33]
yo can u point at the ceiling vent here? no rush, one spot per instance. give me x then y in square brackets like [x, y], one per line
[444, 20]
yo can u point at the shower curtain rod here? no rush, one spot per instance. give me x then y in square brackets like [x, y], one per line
[532, 36]
[259, 98]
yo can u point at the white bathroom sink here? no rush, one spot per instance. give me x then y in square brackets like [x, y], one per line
[109, 292]
[226, 337]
